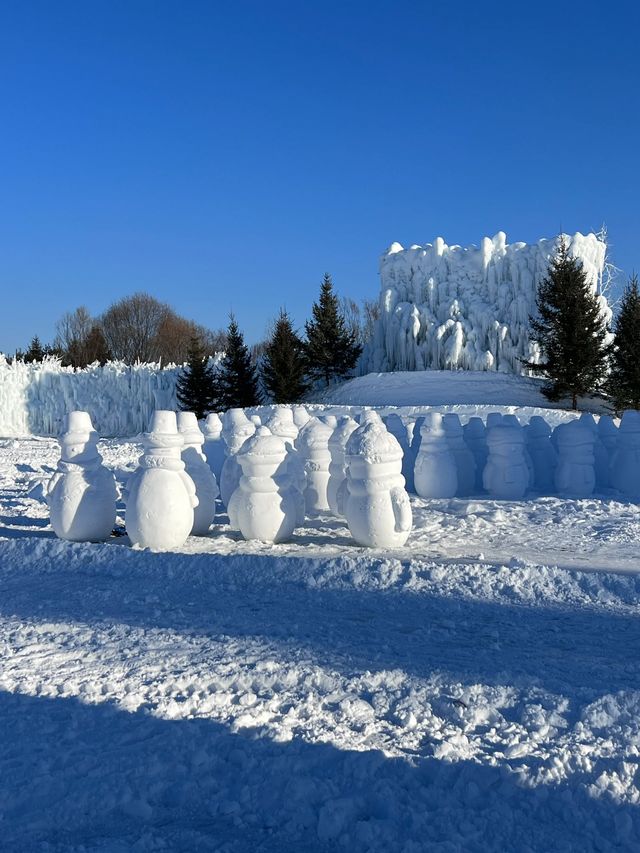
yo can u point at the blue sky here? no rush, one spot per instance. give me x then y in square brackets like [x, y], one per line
[225, 155]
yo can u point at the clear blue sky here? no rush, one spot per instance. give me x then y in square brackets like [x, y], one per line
[223, 155]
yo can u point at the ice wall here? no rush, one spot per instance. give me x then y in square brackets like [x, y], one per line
[452, 307]
[34, 398]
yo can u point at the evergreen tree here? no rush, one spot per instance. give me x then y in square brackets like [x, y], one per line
[283, 363]
[570, 330]
[624, 380]
[36, 351]
[238, 380]
[331, 348]
[197, 387]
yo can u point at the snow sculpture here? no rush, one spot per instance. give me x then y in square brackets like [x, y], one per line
[465, 463]
[600, 453]
[282, 424]
[161, 496]
[398, 429]
[195, 464]
[313, 446]
[300, 416]
[493, 419]
[256, 420]
[608, 432]
[506, 475]
[214, 446]
[625, 468]
[449, 307]
[413, 429]
[436, 472]
[544, 456]
[82, 492]
[475, 437]
[329, 420]
[575, 475]
[336, 487]
[264, 505]
[512, 420]
[377, 506]
[369, 416]
[236, 429]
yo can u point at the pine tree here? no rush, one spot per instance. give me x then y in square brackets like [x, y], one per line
[197, 388]
[284, 364]
[623, 384]
[570, 330]
[331, 348]
[36, 350]
[238, 380]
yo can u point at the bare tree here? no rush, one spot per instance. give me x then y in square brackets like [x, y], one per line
[80, 339]
[360, 320]
[131, 328]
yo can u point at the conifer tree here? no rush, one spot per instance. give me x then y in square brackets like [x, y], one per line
[623, 384]
[331, 348]
[197, 387]
[284, 364]
[570, 330]
[238, 380]
[36, 351]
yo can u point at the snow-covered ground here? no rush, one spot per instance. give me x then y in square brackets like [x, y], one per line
[477, 690]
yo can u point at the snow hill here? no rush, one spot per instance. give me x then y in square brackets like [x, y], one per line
[452, 307]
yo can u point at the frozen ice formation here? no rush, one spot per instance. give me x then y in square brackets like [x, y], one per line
[196, 466]
[236, 429]
[575, 474]
[214, 446]
[465, 463]
[313, 446]
[543, 454]
[82, 492]
[625, 467]
[452, 307]
[377, 506]
[161, 495]
[265, 502]
[475, 437]
[506, 475]
[436, 474]
[336, 488]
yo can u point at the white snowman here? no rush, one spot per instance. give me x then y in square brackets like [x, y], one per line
[313, 446]
[236, 429]
[161, 495]
[436, 473]
[214, 446]
[465, 463]
[337, 467]
[600, 452]
[195, 464]
[475, 437]
[377, 507]
[544, 456]
[82, 492]
[625, 468]
[300, 416]
[400, 430]
[506, 474]
[265, 502]
[575, 475]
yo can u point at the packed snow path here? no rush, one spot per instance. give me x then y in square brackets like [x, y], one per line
[470, 692]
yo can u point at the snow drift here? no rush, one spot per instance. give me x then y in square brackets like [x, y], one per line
[451, 307]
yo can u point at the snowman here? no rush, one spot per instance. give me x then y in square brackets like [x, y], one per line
[236, 429]
[465, 463]
[196, 467]
[575, 475]
[625, 469]
[377, 505]
[300, 416]
[313, 446]
[600, 452]
[214, 447]
[161, 495]
[82, 492]
[337, 467]
[506, 475]
[512, 420]
[475, 437]
[544, 456]
[265, 502]
[436, 473]
[282, 424]
[398, 428]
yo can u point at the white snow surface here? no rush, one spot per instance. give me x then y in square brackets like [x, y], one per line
[452, 307]
[478, 690]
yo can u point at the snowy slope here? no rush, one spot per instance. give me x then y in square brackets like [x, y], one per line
[472, 692]
[452, 307]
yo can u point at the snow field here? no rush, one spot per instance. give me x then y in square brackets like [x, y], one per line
[472, 691]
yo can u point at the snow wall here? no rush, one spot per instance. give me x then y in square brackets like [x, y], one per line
[449, 307]
[35, 397]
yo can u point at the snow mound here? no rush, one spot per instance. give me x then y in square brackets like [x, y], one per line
[452, 307]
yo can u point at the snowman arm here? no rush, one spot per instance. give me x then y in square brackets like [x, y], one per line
[190, 487]
[401, 510]
[53, 482]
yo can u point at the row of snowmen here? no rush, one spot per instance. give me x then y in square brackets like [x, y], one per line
[270, 476]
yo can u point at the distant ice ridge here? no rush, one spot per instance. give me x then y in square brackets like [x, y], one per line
[36, 397]
[449, 307]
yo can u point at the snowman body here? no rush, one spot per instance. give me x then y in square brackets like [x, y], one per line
[400, 431]
[436, 473]
[282, 424]
[600, 452]
[575, 475]
[214, 446]
[338, 466]
[625, 468]
[161, 496]
[506, 475]
[82, 493]
[313, 446]
[236, 429]
[196, 466]
[465, 463]
[265, 502]
[475, 437]
[377, 507]
[543, 454]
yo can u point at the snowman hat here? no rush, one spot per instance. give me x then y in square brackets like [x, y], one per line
[163, 423]
[264, 444]
[78, 428]
[213, 424]
[189, 428]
